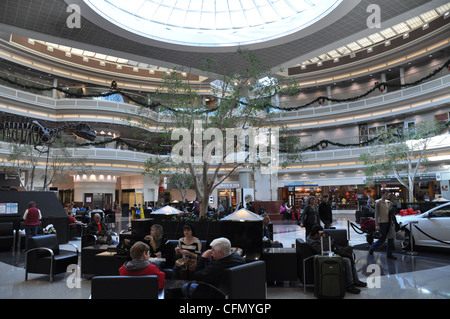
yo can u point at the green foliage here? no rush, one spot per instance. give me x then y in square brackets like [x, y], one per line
[396, 151]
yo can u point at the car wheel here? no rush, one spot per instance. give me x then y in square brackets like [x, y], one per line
[405, 242]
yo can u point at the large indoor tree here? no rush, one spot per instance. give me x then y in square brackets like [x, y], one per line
[401, 153]
[207, 139]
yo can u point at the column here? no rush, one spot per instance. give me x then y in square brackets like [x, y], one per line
[245, 182]
[383, 80]
[329, 94]
[402, 76]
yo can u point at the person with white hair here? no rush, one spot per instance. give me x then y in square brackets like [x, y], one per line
[215, 260]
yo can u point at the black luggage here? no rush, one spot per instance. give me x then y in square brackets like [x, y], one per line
[329, 279]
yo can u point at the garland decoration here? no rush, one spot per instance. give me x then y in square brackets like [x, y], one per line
[324, 143]
[321, 145]
[381, 86]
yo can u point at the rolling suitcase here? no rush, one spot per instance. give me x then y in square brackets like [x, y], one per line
[329, 279]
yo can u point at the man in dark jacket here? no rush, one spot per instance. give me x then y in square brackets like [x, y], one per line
[98, 228]
[325, 211]
[213, 262]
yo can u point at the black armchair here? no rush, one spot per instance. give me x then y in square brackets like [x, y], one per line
[247, 281]
[124, 287]
[339, 236]
[45, 257]
[6, 236]
[305, 266]
[88, 240]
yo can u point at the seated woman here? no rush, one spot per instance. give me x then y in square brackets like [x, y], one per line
[140, 264]
[159, 246]
[188, 250]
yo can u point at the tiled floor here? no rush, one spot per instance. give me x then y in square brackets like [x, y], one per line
[408, 277]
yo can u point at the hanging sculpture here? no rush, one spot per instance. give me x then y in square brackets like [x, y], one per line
[37, 134]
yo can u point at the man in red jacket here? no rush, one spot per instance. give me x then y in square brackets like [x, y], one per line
[140, 264]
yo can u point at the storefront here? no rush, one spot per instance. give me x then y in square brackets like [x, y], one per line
[426, 188]
[297, 193]
[228, 195]
[342, 196]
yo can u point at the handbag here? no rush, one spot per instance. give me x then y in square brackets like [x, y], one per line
[346, 251]
[186, 264]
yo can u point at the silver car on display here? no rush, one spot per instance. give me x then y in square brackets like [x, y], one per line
[431, 228]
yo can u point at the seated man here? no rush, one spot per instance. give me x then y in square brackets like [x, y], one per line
[98, 227]
[140, 264]
[267, 241]
[213, 262]
[351, 276]
[72, 220]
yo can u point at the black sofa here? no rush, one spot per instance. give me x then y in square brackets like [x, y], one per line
[247, 281]
[44, 256]
[6, 236]
[305, 267]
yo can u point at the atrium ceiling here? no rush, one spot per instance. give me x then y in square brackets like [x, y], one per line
[47, 20]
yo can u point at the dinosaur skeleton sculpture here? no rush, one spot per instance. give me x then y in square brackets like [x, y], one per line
[37, 134]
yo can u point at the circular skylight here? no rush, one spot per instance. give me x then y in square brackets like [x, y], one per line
[213, 23]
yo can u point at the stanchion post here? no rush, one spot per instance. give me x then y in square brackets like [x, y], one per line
[411, 241]
[348, 230]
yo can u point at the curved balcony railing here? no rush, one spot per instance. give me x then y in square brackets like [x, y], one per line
[30, 82]
[71, 109]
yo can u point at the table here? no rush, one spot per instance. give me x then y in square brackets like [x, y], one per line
[281, 264]
[172, 289]
[88, 257]
[108, 263]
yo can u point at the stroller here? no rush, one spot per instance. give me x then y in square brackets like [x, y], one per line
[364, 218]
[367, 226]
